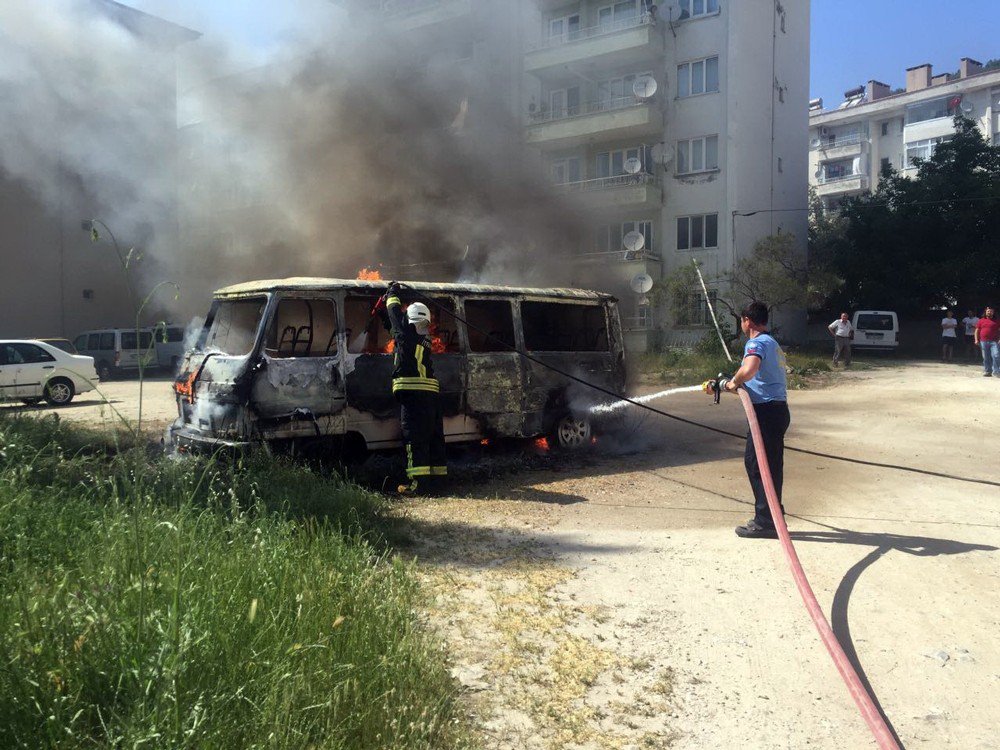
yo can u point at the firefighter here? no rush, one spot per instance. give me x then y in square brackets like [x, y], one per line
[417, 390]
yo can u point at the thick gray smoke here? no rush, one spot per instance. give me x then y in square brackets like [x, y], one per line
[356, 149]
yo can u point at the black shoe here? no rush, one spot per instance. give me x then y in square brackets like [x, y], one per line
[753, 530]
[987, 374]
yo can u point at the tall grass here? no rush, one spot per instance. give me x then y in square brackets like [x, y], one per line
[150, 603]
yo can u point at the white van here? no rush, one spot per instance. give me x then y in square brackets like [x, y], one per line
[876, 329]
[115, 350]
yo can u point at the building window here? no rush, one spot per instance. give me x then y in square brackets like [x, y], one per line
[781, 167]
[618, 15]
[696, 310]
[616, 92]
[885, 163]
[612, 163]
[885, 128]
[934, 109]
[644, 317]
[564, 29]
[697, 232]
[698, 155]
[695, 8]
[923, 149]
[698, 77]
[566, 170]
[610, 237]
[837, 170]
[564, 102]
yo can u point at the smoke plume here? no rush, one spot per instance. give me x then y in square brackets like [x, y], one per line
[351, 148]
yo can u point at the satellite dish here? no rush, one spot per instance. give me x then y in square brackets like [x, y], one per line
[634, 241]
[641, 283]
[967, 107]
[661, 154]
[815, 142]
[633, 165]
[644, 87]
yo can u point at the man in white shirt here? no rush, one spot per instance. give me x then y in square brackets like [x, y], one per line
[948, 336]
[843, 333]
[969, 321]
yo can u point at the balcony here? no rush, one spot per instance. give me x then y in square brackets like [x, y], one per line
[624, 117]
[407, 15]
[607, 45]
[635, 191]
[845, 183]
[846, 147]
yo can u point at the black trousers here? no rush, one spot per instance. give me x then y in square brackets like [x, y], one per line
[422, 421]
[773, 418]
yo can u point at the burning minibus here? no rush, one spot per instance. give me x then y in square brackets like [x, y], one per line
[302, 360]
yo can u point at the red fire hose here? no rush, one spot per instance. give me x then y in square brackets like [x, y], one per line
[883, 735]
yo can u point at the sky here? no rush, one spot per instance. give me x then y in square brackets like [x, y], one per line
[854, 41]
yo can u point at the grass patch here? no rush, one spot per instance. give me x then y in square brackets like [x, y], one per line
[706, 360]
[151, 603]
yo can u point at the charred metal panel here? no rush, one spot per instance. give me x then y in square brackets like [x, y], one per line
[495, 391]
[281, 386]
[369, 385]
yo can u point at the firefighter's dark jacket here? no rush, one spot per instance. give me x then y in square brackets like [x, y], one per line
[412, 368]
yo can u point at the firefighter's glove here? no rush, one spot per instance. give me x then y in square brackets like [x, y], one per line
[394, 289]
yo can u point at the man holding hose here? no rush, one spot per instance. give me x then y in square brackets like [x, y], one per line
[762, 373]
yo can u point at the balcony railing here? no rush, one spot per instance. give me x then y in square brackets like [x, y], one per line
[604, 183]
[406, 7]
[555, 40]
[621, 256]
[581, 110]
[846, 140]
[827, 179]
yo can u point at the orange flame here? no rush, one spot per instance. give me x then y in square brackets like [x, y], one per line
[542, 443]
[369, 274]
[437, 344]
[484, 442]
[185, 386]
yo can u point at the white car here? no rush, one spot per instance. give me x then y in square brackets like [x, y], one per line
[32, 370]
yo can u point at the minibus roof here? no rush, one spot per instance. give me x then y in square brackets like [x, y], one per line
[309, 284]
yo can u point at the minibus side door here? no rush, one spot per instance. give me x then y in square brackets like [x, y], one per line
[300, 373]
[495, 380]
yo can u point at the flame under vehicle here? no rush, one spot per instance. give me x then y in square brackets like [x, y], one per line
[304, 361]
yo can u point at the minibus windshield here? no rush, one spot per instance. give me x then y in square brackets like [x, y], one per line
[233, 328]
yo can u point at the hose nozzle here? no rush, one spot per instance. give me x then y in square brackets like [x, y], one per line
[716, 386]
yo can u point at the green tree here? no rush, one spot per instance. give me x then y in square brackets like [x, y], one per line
[776, 272]
[927, 241]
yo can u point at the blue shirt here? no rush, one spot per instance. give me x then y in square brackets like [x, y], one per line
[769, 383]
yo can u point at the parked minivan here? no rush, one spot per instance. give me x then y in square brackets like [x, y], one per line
[301, 359]
[876, 329]
[169, 347]
[115, 351]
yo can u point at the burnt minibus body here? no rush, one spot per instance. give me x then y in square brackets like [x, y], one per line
[305, 358]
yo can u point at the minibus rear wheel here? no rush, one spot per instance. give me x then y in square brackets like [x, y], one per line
[571, 432]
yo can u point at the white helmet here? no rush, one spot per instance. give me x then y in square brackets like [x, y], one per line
[418, 314]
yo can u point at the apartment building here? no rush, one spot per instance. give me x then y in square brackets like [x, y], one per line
[55, 281]
[876, 126]
[679, 123]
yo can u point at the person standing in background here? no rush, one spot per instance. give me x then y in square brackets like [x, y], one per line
[969, 321]
[987, 334]
[843, 333]
[948, 336]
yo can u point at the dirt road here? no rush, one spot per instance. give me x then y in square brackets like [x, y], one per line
[611, 605]
[116, 400]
